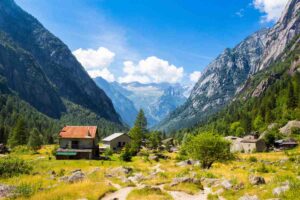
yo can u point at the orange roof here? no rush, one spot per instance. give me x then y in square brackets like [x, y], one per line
[78, 132]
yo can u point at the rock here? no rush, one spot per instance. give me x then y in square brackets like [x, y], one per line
[76, 177]
[239, 186]
[248, 197]
[64, 178]
[210, 181]
[76, 170]
[177, 181]
[219, 191]
[154, 157]
[186, 163]
[287, 129]
[138, 177]
[226, 184]
[119, 171]
[257, 180]
[97, 169]
[6, 190]
[282, 189]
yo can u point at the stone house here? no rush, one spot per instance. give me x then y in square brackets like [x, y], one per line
[247, 144]
[116, 141]
[78, 142]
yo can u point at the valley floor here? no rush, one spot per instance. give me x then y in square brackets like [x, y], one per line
[165, 179]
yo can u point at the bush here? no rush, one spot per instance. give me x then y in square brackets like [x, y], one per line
[23, 190]
[208, 148]
[126, 155]
[295, 131]
[252, 159]
[13, 166]
[263, 169]
[108, 152]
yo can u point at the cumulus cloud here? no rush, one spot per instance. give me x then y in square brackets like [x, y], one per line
[151, 69]
[271, 8]
[94, 59]
[104, 73]
[96, 62]
[194, 77]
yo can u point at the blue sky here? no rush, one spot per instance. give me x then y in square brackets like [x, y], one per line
[151, 40]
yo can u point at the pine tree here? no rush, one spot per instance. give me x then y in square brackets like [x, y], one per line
[292, 100]
[35, 139]
[141, 121]
[136, 136]
[19, 134]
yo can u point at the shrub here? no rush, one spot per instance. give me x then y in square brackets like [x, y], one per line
[13, 166]
[23, 190]
[295, 131]
[126, 155]
[108, 152]
[208, 148]
[252, 159]
[263, 169]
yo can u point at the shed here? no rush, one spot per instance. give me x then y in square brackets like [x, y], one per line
[286, 143]
[78, 142]
[116, 141]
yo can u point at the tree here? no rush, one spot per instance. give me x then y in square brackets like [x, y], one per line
[141, 121]
[35, 140]
[208, 148]
[154, 139]
[136, 136]
[19, 134]
[258, 123]
[292, 99]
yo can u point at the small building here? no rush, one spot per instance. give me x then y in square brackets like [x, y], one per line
[252, 144]
[116, 141]
[286, 143]
[78, 142]
[247, 144]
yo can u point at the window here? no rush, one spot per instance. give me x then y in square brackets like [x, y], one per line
[119, 144]
[75, 144]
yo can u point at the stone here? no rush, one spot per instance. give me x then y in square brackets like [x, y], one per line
[6, 190]
[186, 163]
[248, 197]
[179, 180]
[287, 129]
[138, 177]
[76, 177]
[239, 186]
[119, 171]
[97, 169]
[226, 184]
[154, 157]
[282, 189]
[210, 181]
[257, 180]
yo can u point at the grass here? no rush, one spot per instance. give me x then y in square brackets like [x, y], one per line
[40, 184]
[148, 194]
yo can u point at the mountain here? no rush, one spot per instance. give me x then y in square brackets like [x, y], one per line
[42, 82]
[122, 104]
[55, 60]
[156, 99]
[227, 74]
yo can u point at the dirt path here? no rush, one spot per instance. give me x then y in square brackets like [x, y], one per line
[184, 196]
[121, 194]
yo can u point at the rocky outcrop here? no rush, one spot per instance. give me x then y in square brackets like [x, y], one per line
[257, 180]
[287, 129]
[226, 75]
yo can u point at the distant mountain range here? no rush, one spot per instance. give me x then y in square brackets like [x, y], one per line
[156, 99]
[227, 75]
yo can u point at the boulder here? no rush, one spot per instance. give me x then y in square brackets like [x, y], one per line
[6, 190]
[119, 171]
[226, 184]
[154, 157]
[76, 177]
[186, 163]
[138, 177]
[287, 129]
[257, 180]
[179, 180]
[248, 197]
[282, 189]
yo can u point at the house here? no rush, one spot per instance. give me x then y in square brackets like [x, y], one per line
[286, 143]
[251, 143]
[247, 144]
[116, 141]
[78, 142]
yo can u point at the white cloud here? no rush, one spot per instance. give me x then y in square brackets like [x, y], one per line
[272, 8]
[194, 77]
[240, 13]
[104, 73]
[151, 69]
[96, 62]
[94, 59]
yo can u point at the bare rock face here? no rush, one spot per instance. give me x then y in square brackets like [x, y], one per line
[226, 76]
[287, 129]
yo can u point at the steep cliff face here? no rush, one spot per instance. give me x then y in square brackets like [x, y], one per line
[22, 74]
[55, 59]
[227, 74]
[282, 33]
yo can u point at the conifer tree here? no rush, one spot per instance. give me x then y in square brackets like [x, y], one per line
[18, 135]
[141, 122]
[35, 139]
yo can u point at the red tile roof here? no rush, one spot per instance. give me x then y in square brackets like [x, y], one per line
[78, 132]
